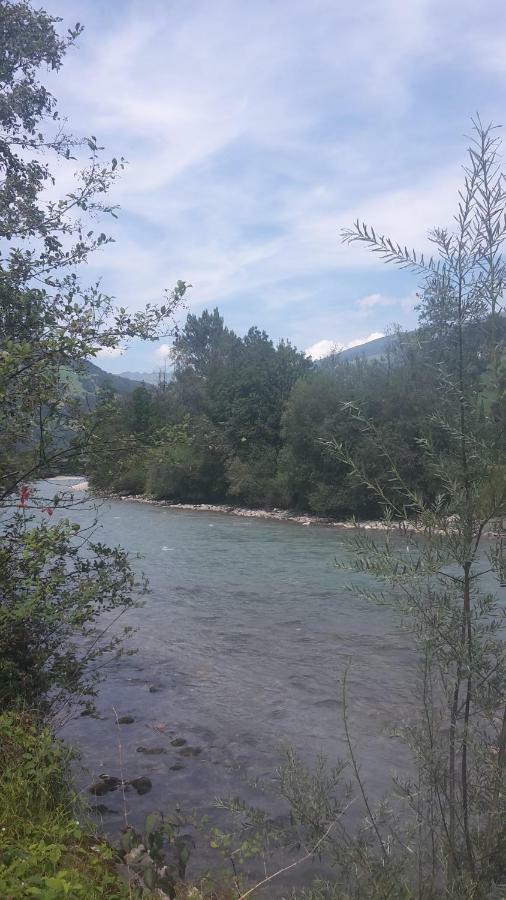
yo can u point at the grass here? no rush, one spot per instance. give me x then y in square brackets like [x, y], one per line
[48, 848]
[44, 851]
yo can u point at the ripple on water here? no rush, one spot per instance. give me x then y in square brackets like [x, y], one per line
[328, 703]
[219, 633]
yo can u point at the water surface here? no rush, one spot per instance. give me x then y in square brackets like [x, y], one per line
[242, 645]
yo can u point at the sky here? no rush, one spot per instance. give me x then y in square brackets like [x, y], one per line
[256, 131]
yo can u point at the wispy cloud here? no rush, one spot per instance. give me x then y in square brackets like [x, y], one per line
[255, 132]
[373, 300]
[382, 301]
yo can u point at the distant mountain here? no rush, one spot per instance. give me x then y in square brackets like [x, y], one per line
[88, 378]
[372, 350]
[93, 377]
[146, 377]
[376, 349]
[379, 348]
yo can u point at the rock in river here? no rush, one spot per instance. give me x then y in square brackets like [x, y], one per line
[142, 785]
[151, 751]
[105, 784]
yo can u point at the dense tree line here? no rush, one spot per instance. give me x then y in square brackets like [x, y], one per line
[247, 422]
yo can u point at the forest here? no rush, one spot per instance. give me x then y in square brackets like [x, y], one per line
[249, 423]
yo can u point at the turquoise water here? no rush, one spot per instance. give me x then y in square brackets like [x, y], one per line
[242, 645]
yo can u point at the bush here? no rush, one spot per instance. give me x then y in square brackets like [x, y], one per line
[253, 480]
[188, 464]
[56, 586]
[44, 851]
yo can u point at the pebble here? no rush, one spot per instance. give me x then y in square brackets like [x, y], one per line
[282, 515]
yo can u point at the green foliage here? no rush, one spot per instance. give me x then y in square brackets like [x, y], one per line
[54, 597]
[313, 479]
[254, 481]
[59, 323]
[158, 857]
[203, 344]
[44, 851]
[211, 434]
[264, 416]
[56, 583]
[188, 464]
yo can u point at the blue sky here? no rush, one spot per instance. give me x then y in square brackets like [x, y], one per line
[255, 131]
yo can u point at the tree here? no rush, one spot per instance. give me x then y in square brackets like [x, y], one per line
[438, 578]
[186, 463]
[312, 477]
[202, 342]
[49, 324]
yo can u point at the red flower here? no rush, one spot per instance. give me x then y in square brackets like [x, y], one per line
[24, 493]
[49, 510]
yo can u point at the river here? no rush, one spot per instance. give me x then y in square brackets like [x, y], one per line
[242, 644]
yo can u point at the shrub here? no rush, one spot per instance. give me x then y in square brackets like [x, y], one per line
[44, 851]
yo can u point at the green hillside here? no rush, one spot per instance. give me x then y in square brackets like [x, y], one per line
[89, 378]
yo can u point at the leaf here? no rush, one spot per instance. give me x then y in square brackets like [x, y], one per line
[152, 823]
[128, 840]
[182, 858]
[149, 877]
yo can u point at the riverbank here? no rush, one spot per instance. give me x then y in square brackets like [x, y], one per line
[278, 515]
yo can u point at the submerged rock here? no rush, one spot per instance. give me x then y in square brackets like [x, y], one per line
[178, 742]
[105, 784]
[151, 751]
[126, 720]
[142, 785]
[176, 767]
[190, 751]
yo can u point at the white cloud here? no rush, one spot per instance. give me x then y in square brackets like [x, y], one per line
[377, 300]
[325, 347]
[321, 349]
[163, 352]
